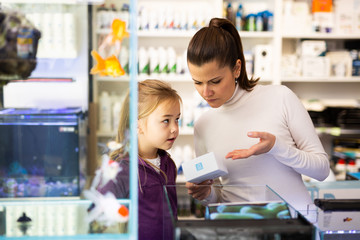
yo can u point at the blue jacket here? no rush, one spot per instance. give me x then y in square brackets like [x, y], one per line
[155, 222]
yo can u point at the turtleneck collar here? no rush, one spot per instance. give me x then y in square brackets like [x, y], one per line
[238, 93]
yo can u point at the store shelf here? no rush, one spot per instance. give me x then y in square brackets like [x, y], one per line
[54, 1]
[337, 131]
[321, 79]
[247, 34]
[167, 33]
[170, 33]
[319, 36]
[165, 77]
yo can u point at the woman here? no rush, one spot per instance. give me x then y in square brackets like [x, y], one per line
[263, 133]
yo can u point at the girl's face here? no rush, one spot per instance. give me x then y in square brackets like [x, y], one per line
[215, 84]
[159, 130]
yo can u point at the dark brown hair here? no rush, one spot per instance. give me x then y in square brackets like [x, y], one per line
[220, 41]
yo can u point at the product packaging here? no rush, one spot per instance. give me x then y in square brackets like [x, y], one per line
[203, 168]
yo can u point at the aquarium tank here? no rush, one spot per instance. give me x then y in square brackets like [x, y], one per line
[42, 152]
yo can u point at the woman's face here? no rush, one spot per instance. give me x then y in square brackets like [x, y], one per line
[215, 84]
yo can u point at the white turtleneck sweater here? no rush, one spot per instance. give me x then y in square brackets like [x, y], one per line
[297, 149]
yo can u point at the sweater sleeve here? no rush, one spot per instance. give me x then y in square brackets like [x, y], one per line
[307, 157]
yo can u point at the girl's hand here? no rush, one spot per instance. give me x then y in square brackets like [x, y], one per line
[199, 191]
[267, 141]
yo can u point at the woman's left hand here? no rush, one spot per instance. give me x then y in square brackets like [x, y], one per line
[267, 141]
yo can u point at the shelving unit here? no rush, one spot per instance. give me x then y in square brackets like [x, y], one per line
[282, 42]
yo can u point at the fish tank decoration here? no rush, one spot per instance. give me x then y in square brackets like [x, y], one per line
[107, 64]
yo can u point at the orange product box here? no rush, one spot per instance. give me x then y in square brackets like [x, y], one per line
[322, 6]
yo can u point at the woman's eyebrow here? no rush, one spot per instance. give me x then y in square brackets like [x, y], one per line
[212, 79]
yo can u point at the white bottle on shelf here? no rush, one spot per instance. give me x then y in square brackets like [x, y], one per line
[124, 58]
[116, 109]
[163, 61]
[143, 62]
[171, 59]
[154, 62]
[105, 112]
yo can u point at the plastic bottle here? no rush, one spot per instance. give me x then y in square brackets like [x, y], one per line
[259, 23]
[105, 112]
[163, 61]
[183, 25]
[250, 22]
[116, 114]
[113, 14]
[125, 15]
[230, 13]
[239, 18]
[143, 62]
[351, 167]
[188, 115]
[191, 20]
[179, 65]
[169, 18]
[124, 58]
[269, 21]
[171, 56]
[340, 168]
[154, 61]
[144, 19]
[101, 16]
[153, 20]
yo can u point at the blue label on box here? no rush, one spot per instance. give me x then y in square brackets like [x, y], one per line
[199, 166]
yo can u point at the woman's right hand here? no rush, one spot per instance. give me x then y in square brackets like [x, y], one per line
[199, 191]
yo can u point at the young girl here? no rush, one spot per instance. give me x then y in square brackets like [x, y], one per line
[158, 115]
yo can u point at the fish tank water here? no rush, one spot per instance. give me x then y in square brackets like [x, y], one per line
[42, 152]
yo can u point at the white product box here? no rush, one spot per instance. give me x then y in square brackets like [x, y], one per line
[312, 48]
[315, 67]
[203, 168]
[344, 16]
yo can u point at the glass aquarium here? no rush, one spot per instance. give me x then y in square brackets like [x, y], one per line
[269, 217]
[42, 152]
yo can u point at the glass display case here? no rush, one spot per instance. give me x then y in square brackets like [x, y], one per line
[55, 219]
[36, 214]
[266, 218]
[42, 152]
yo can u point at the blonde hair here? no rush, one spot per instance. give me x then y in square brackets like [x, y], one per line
[151, 93]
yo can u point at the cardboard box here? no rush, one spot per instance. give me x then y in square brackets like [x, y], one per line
[315, 67]
[203, 168]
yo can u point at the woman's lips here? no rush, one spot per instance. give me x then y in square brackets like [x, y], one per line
[211, 100]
